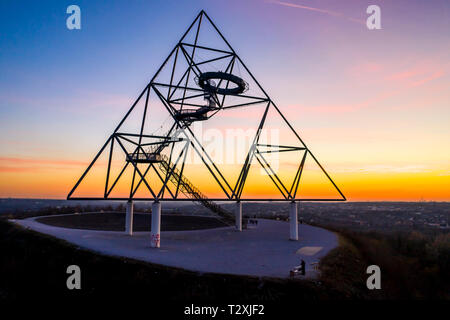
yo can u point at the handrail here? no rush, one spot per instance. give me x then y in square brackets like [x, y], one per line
[189, 190]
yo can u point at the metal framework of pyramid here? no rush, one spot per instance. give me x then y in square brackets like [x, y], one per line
[202, 68]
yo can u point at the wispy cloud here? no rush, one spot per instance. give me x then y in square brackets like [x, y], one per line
[384, 168]
[435, 75]
[419, 73]
[84, 103]
[324, 11]
[322, 109]
[416, 74]
[34, 161]
[36, 165]
[16, 169]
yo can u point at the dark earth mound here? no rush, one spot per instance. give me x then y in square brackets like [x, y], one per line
[115, 221]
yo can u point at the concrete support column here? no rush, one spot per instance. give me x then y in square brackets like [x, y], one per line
[155, 235]
[238, 215]
[129, 218]
[293, 221]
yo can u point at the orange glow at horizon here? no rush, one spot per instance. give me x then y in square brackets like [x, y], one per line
[44, 181]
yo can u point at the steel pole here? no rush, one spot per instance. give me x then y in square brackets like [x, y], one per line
[155, 234]
[129, 218]
[238, 215]
[293, 221]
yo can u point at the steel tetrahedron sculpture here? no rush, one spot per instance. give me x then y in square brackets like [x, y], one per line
[201, 79]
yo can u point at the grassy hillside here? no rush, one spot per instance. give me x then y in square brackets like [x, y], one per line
[33, 266]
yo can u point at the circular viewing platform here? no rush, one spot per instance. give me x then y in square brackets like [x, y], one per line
[144, 157]
[199, 114]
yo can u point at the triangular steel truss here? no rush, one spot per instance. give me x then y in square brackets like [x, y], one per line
[178, 94]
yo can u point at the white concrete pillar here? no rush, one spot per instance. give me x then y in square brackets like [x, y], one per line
[129, 218]
[155, 235]
[293, 221]
[238, 215]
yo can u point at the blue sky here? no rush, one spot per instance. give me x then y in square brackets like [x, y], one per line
[63, 91]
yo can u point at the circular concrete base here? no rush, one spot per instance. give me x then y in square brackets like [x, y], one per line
[264, 251]
[115, 221]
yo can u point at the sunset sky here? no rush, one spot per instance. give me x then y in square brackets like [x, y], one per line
[372, 105]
